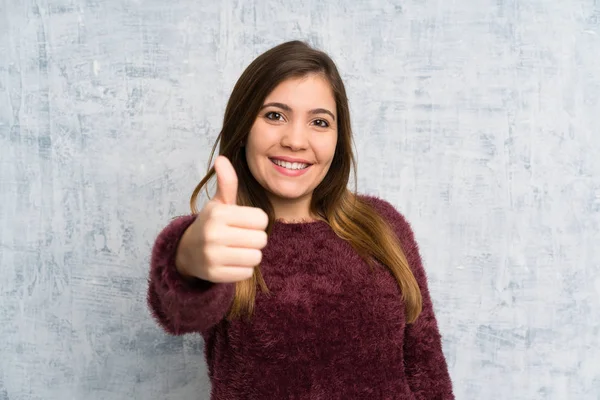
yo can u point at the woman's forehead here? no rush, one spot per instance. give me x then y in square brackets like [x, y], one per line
[307, 92]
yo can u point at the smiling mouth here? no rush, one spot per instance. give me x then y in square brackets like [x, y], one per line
[289, 165]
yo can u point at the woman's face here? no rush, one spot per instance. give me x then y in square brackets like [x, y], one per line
[292, 141]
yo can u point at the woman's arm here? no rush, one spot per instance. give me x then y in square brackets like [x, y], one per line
[180, 304]
[425, 365]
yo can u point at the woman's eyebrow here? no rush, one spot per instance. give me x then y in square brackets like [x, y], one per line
[287, 108]
[322, 111]
[284, 107]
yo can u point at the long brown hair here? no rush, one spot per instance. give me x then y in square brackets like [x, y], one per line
[350, 217]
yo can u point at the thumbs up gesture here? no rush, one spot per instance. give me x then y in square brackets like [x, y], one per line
[225, 241]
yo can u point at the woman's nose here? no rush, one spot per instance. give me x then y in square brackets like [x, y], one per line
[295, 137]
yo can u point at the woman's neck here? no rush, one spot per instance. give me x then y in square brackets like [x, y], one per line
[293, 210]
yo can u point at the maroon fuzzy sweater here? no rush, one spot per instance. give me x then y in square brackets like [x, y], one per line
[332, 328]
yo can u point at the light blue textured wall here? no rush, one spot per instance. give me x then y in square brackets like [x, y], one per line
[477, 119]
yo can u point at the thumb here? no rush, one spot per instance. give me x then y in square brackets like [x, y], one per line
[227, 181]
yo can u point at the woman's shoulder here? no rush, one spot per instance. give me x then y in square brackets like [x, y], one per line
[390, 213]
[383, 206]
[377, 202]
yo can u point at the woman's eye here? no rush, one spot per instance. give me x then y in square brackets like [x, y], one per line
[321, 123]
[274, 116]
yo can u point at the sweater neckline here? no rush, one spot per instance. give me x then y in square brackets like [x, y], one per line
[300, 226]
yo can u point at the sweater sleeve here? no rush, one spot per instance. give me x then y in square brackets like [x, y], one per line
[424, 360]
[180, 305]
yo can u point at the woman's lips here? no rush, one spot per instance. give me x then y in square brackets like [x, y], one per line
[290, 172]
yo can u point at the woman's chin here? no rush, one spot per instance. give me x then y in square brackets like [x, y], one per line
[289, 195]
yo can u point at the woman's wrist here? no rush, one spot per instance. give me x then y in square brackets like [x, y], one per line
[182, 263]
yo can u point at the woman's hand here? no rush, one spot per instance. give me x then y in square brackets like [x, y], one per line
[224, 243]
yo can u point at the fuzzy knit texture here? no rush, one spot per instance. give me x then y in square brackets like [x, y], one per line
[332, 327]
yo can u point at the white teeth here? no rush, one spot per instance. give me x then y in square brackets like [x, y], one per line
[289, 165]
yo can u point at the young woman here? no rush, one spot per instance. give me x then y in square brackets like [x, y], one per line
[301, 288]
